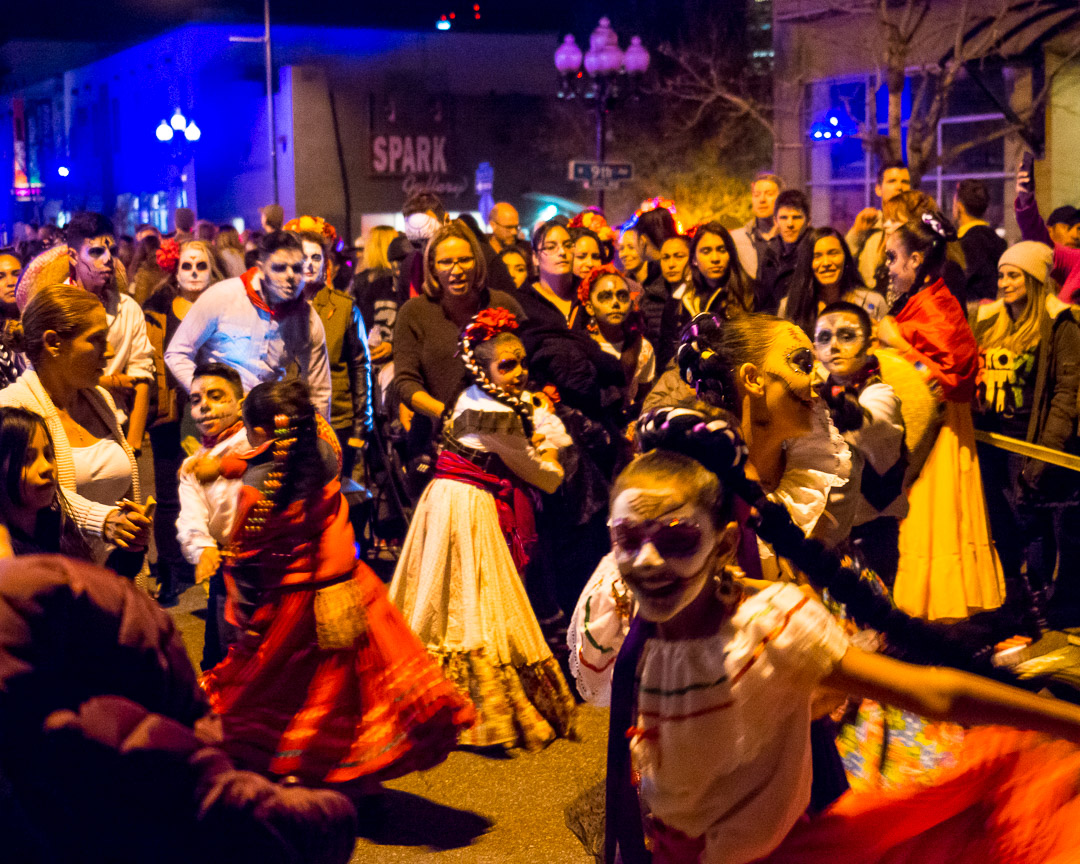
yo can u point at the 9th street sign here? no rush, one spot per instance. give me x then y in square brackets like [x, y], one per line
[595, 175]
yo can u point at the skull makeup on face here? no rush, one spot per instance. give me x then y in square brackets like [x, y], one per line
[193, 269]
[788, 372]
[841, 343]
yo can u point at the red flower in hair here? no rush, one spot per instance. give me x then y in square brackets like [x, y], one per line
[489, 323]
[168, 255]
[594, 276]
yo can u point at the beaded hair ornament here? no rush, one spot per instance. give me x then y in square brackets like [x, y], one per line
[486, 325]
[284, 438]
[700, 366]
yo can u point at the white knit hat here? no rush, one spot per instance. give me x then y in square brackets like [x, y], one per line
[1031, 257]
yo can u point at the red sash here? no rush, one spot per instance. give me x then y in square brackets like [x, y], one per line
[516, 519]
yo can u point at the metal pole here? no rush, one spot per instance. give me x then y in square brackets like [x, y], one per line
[270, 96]
[601, 133]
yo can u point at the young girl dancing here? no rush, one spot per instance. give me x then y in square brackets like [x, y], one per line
[457, 581]
[712, 691]
[326, 682]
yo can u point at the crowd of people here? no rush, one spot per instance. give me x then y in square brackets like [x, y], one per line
[724, 479]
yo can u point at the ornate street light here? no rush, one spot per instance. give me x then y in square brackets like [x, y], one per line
[609, 73]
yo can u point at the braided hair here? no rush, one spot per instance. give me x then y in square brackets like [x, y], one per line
[712, 440]
[490, 327]
[711, 350]
[284, 409]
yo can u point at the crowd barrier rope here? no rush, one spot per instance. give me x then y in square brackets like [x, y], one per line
[1033, 451]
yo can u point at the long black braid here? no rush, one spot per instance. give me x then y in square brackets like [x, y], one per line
[486, 327]
[717, 446]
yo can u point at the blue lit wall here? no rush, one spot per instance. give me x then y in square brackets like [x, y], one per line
[107, 113]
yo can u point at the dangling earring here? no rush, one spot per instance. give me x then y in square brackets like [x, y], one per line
[728, 587]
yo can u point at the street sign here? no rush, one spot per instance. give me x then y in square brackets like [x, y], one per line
[596, 175]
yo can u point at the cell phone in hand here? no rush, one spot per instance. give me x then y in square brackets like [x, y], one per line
[1027, 166]
[151, 506]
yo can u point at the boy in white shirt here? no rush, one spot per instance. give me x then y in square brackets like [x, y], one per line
[866, 410]
[207, 500]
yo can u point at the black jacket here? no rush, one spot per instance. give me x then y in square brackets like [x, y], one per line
[775, 269]
[566, 356]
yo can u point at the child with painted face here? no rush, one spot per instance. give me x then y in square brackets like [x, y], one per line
[33, 512]
[712, 693]
[458, 579]
[192, 269]
[615, 325]
[867, 411]
[207, 499]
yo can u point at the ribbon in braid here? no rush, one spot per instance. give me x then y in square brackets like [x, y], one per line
[701, 366]
[284, 438]
[486, 325]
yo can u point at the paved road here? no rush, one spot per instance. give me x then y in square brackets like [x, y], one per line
[473, 808]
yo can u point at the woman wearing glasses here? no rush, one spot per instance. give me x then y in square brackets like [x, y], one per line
[192, 268]
[427, 369]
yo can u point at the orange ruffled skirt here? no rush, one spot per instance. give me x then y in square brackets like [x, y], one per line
[948, 565]
[378, 710]
[1013, 798]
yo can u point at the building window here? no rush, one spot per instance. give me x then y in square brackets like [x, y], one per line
[842, 174]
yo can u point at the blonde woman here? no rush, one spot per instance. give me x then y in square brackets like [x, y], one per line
[1029, 370]
[375, 294]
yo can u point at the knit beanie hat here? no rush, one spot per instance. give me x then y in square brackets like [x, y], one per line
[1031, 257]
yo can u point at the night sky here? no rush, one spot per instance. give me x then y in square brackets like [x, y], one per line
[129, 20]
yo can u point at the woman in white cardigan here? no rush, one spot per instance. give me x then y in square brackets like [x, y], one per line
[63, 333]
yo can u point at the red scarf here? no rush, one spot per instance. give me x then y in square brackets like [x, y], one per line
[209, 441]
[281, 310]
[515, 509]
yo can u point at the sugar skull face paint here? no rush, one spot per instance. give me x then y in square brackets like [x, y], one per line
[788, 370]
[840, 343]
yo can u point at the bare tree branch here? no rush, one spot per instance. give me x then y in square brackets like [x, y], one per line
[700, 81]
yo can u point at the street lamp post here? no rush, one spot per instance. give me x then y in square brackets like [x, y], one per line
[180, 134]
[611, 72]
[268, 61]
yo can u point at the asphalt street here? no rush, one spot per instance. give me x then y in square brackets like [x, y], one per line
[475, 807]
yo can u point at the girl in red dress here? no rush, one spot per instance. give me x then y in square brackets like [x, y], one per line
[326, 683]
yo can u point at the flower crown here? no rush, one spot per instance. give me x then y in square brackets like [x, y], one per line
[596, 223]
[312, 225]
[654, 204]
[594, 276]
[168, 255]
[487, 324]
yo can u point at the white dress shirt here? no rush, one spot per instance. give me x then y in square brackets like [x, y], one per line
[207, 511]
[224, 325]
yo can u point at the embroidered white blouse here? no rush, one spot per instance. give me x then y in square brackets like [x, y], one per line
[722, 740]
[511, 446]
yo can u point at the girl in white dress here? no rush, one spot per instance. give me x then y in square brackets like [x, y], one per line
[712, 692]
[458, 580]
